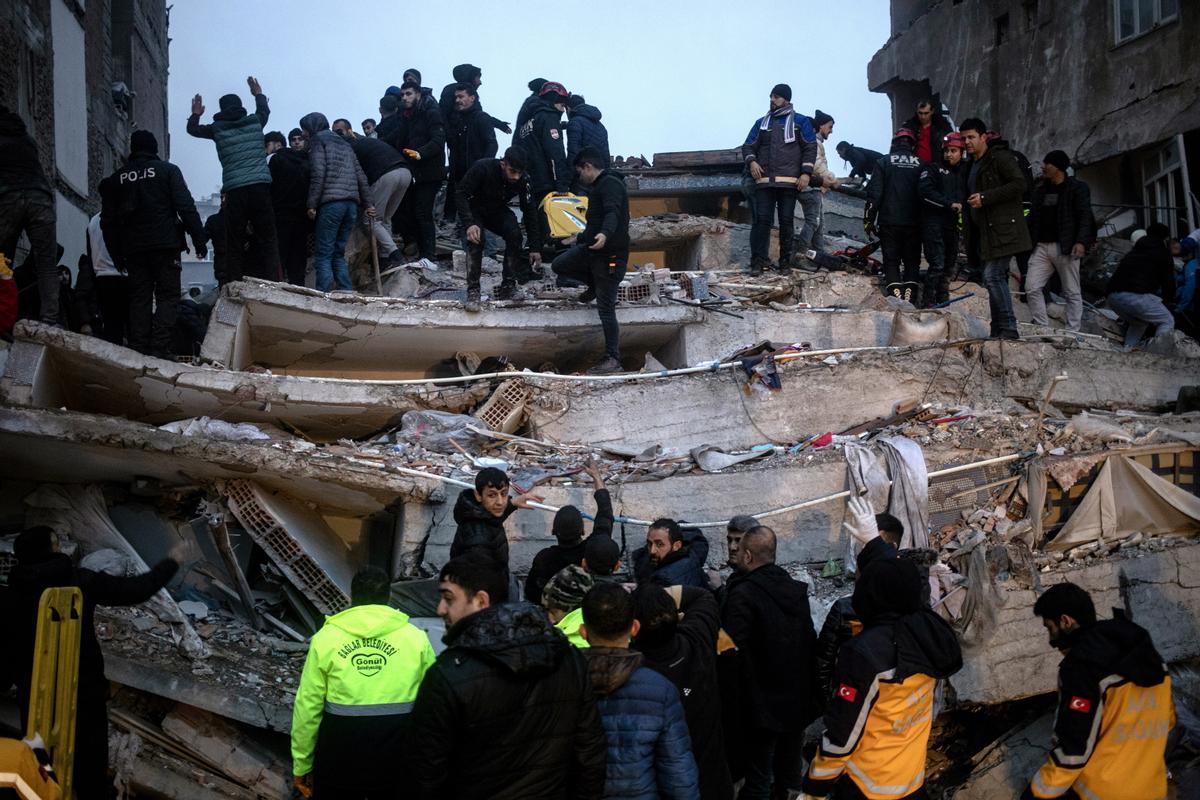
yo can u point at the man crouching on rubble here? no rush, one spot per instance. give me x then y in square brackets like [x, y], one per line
[878, 722]
[480, 514]
[359, 682]
[1114, 705]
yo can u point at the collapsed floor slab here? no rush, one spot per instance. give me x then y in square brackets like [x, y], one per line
[716, 409]
[71, 447]
[49, 367]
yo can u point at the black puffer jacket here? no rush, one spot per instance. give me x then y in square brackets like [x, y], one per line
[1076, 224]
[584, 129]
[841, 625]
[421, 129]
[471, 137]
[479, 530]
[507, 711]
[145, 206]
[545, 152]
[766, 614]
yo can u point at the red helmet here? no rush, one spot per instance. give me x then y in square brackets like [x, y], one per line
[553, 92]
[991, 136]
[904, 133]
[953, 139]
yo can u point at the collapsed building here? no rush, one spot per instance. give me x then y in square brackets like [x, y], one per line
[316, 434]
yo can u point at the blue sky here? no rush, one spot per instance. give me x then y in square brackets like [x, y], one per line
[666, 75]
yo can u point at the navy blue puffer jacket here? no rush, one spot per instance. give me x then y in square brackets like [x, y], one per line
[649, 750]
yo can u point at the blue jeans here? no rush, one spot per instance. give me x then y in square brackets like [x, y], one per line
[812, 234]
[1139, 312]
[335, 221]
[995, 280]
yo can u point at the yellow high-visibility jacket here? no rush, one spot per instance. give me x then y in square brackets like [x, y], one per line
[569, 625]
[1114, 715]
[359, 682]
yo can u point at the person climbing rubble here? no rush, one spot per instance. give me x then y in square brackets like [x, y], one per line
[563, 599]
[1114, 704]
[568, 532]
[672, 555]
[360, 678]
[878, 722]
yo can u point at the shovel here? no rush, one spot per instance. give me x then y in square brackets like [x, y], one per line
[374, 253]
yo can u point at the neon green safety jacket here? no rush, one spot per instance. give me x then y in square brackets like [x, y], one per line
[569, 625]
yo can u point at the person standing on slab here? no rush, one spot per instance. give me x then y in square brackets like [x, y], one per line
[1063, 229]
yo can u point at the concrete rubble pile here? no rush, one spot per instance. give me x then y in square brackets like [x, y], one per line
[321, 433]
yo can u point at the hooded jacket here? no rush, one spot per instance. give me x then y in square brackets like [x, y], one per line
[239, 139]
[1114, 714]
[584, 129]
[483, 194]
[20, 167]
[359, 681]
[549, 560]
[687, 657]
[334, 170]
[549, 170]
[785, 150]
[422, 129]
[766, 615]
[878, 722]
[649, 750]
[26, 583]
[683, 567]
[145, 206]
[471, 137]
[1146, 269]
[608, 213]
[465, 73]
[1000, 220]
[479, 530]
[289, 182]
[506, 713]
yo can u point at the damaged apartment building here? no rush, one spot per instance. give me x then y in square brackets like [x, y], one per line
[1114, 83]
[83, 76]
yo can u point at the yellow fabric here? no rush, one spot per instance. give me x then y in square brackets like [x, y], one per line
[366, 655]
[19, 770]
[566, 214]
[1127, 761]
[889, 759]
[570, 626]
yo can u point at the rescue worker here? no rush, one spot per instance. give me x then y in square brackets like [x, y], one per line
[483, 195]
[601, 252]
[893, 201]
[568, 533]
[142, 207]
[952, 154]
[940, 206]
[359, 682]
[563, 599]
[542, 139]
[781, 152]
[878, 721]
[1114, 704]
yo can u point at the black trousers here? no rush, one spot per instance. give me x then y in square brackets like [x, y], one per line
[33, 212]
[291, 235]
[539, 218]
[766, 200]
[112, 296]
[900, 244]
[950, 247]
[251, 205]
[91, 779]
[504, 224]
[416, 217]
[603, 274]
[154, 290]
[773, 761]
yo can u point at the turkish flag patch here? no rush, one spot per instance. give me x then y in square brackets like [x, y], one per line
[847, 693]
[1080, 704]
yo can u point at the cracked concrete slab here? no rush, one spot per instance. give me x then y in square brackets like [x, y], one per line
[49, 367]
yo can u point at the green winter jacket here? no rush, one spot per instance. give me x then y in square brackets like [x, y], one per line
[1000, 221]
[239, 140]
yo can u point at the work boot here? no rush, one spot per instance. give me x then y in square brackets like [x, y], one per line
[520, 270]
[758, 264]
[472, 301]
[608, 366]
[507, 290]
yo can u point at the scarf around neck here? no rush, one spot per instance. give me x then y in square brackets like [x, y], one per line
[789, 126]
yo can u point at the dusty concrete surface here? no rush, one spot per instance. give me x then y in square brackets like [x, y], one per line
[1160, 592]
[49, 367]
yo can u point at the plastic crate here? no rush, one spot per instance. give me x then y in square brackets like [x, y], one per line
[504, 411]
[260, 516]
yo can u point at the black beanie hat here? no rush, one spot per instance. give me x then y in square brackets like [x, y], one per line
[602, 554]
[783, 90]
[143, 142]
[568, 525]
[414, 72]
[536, 85]
[229, 101]
[820, 118]
[1058, 158]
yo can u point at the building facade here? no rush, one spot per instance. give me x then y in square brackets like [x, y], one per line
[84, 74]
[1114, 83]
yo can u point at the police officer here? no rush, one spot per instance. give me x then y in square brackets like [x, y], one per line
[143, 204]
[1114, 704]
[542, 139]
[359, 682]
[893, 201]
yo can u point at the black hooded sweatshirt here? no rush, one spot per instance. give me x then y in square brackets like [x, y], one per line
[20, 167]
[1146, 269]
[545, 150]
[479, 530]
[506, 712]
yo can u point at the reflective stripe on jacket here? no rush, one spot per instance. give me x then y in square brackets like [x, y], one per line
[362, 672]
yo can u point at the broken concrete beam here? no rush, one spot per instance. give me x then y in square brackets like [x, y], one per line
[1161, 592]
[816, 397]
[70, 447]
[1008, 768]
[688, 242]
[49, 367]
[227, 748]
[303, 332]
